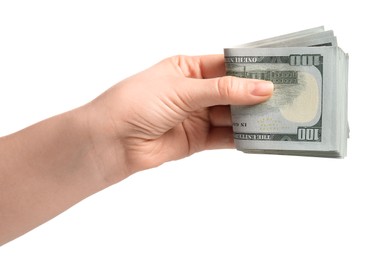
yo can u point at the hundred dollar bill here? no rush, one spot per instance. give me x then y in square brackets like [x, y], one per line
[307, 114]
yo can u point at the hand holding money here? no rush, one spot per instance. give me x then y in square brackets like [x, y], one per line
[307, 114]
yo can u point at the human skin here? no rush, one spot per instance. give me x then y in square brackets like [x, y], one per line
[48, 167]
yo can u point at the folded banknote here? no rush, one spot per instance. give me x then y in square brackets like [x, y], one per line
[308, 112]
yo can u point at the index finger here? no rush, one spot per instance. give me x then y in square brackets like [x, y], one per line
[212, 66]
[201, 67]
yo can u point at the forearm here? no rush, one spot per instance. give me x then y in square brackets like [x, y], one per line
[45, 169]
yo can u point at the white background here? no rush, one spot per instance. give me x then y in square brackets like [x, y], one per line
[58, 55]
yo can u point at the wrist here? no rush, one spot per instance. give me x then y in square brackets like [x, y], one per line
[107, 155]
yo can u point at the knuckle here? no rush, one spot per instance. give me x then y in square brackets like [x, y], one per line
[189, 66]
[226, 86]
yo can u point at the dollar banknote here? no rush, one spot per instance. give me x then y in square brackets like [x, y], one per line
[307, 114]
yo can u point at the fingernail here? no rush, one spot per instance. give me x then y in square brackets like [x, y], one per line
[261, 88]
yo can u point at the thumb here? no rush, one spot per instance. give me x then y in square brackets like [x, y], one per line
[226, 90]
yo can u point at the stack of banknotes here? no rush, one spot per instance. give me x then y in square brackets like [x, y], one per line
[308, 112]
